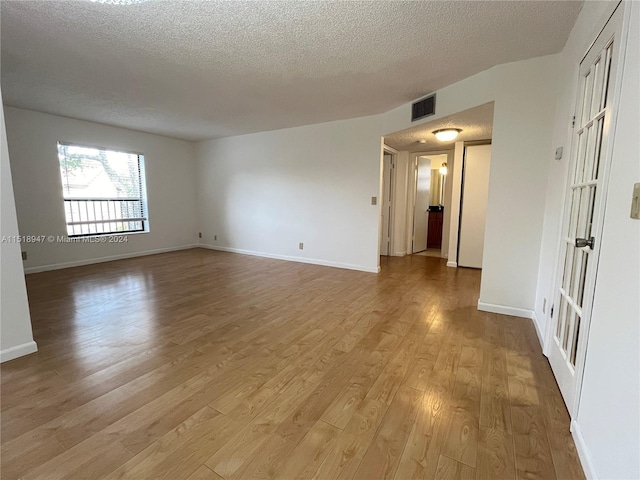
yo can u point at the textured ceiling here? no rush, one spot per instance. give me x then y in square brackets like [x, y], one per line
[206, 69]
[476, 124]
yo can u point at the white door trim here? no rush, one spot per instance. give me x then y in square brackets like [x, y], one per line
[383, 202]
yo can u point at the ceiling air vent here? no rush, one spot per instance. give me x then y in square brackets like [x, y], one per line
[423, 108]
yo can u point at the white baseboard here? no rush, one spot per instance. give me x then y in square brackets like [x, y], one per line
[312, 261]
[18, 351]
[504, 310]
[583, 451]
[90, 261]
[534, 317]
[514, 312]
[452, 264]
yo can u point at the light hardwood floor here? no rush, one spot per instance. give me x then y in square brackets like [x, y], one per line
[209, 365]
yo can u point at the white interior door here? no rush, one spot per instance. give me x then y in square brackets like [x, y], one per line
[385, 207]
[475, 191]
[423, 197]
[584, 210]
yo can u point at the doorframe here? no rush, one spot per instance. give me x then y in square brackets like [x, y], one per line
[385, 149]
[412, 190]
[617, 88]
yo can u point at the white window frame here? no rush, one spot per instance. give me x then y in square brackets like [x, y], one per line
[106, 201]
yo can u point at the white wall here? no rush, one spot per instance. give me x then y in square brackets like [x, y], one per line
[170, 175]
[16, 338]
[265, 193]
[515, 208]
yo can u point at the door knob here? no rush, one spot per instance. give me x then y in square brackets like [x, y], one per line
[583, 242]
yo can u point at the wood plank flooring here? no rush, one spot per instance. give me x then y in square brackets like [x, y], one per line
[209, 365]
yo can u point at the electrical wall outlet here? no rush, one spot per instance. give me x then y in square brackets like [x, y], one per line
[374, 200]
[24, 255]
[215, 237]
[199, 234]
[301, 246]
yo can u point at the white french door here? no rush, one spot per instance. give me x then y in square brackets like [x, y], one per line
[584, 211]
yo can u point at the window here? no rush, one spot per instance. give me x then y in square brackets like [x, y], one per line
[104, 191]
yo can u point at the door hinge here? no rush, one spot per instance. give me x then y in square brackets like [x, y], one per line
[573, 121]
[552, 307]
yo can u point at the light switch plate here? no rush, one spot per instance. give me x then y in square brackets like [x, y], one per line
[559, 153]
[635, 202]
[374, 200]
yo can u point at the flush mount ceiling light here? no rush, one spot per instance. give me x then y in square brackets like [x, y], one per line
[422, 141]
[447, 134]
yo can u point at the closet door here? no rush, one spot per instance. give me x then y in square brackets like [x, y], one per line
[475, 190]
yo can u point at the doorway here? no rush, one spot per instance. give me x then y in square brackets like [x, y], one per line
[425, 184]
[428, 204]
